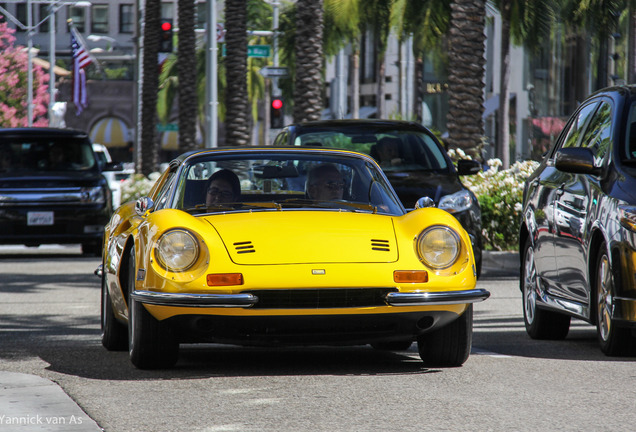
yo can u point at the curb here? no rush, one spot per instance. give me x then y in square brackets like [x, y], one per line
[32, 403]
[496, 263]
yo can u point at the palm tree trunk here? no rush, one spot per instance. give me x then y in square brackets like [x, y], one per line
[503, 135]
[355, 82]
[466, 74]
[186, 69]
[309, 67]
[236, 100]
[381, 88]
[148, 153]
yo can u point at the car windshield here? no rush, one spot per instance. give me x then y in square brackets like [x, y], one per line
[20, 155]
[283, 181]
[394, 150]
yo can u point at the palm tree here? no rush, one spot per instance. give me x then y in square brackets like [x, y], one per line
[342, 27]
[148, 153]
[376, 15]
[427, 22]
[525, 23]
[187, 72]
[309, 60]
[236, 102]
[466, 72]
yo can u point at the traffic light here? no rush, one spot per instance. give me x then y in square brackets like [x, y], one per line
[276, 114]
[165, 38]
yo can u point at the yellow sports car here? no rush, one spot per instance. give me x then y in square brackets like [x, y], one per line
[284, 246]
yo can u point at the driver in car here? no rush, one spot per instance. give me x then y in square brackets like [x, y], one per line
[325, 183]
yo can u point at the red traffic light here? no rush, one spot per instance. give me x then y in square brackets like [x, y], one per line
[277, 104]
[166, 26]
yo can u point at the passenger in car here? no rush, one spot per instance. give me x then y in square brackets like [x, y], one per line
[223, 186]
[325, 183]
[387, 151]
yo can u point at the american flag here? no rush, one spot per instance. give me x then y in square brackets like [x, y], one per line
[81, 59]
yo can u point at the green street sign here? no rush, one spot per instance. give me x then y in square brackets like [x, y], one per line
[252, 51]
[168, 127]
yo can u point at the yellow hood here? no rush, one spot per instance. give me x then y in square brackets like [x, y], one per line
[302, 237]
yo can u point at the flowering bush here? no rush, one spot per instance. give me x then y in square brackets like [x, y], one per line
[136, 186]
[500, 195]
[13, 84]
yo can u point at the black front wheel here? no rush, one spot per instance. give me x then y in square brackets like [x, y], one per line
[151, 343]
[540, 323]
[614, 340]
[450, 345]
[114, 333]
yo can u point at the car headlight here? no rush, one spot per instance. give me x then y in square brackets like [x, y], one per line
[95, 195]
[177, 250]
[454, 203]
[438, 247]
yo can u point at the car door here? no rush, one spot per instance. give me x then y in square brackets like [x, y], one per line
[573, 204]
[546, 215]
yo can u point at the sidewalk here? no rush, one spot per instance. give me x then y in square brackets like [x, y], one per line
[33, 403]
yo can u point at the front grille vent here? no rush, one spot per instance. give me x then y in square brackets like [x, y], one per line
[320, 298]
[380, 245]
[244, 247]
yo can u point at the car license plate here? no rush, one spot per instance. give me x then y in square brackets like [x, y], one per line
[39, 218]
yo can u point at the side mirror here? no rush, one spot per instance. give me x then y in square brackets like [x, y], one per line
[143, 205]
[468, 167]
[576, 160]
[424, 202]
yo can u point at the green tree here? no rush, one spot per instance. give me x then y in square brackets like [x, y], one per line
[465, 73]
[187, 72]
[427, 22]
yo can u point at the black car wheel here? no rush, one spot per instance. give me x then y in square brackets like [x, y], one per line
[114, 333]
[450, 345]
[540, 323]
[613, 340]
[151, 343]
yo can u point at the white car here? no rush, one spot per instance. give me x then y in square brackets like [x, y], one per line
[101, 152]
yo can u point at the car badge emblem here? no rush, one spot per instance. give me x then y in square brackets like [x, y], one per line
[318, 271]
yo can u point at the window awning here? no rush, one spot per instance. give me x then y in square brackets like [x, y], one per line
[110, 131]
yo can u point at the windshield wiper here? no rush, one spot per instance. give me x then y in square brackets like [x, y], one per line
[327, 204]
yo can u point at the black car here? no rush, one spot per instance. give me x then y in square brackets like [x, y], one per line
[52, 190]
[578, 233]
[410, 156]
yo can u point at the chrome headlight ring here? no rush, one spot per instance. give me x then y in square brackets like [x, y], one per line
[177, 250]
[438, 247]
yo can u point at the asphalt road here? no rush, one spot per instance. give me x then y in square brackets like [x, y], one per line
[49, 328]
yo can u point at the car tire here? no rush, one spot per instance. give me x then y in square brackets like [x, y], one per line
[540, 323]
[151, 343]
[393, 345]
[114, 333]
[450, 345]
[613, 340]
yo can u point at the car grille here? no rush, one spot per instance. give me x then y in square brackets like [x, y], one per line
[320, 298]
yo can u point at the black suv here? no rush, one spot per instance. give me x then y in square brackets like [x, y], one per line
[410, 156]
[52, 189]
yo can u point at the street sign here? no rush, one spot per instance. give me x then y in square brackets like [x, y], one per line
[220, 32]
[274, 72]
[168, 127]
[252, 50]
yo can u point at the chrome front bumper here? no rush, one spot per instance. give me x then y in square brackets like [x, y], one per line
[244, 300]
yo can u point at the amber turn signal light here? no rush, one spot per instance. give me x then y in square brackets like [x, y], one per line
[225, 279]
[410, 276]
